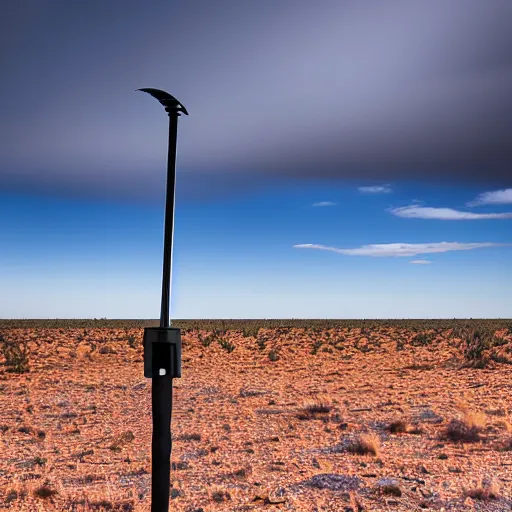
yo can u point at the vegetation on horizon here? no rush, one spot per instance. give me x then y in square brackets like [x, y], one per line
[250, 327]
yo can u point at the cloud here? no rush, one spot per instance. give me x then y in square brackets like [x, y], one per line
[375, 190]
[367, 91]
[420, 262]
[423, 212]
[495, 197]
[402, 249]
[324, 203]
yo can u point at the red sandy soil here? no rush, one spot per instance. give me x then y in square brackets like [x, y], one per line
[75, 430]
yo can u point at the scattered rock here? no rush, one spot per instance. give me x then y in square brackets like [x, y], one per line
[389, 486]
[334, 482]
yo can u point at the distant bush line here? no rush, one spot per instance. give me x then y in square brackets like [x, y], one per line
[479, 341]
[250, 325]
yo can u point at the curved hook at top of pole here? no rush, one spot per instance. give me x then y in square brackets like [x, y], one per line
[169, 102]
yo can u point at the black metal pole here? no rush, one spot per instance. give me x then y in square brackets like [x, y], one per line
[159, 343]
[169, 221]
[161, 442]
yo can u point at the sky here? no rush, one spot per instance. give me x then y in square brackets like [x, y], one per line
[340, 159]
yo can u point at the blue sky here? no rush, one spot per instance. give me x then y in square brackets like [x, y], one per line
[236, 258]
[341, 159]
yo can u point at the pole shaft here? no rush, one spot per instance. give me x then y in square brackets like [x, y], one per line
[169, 221]
[161, 443]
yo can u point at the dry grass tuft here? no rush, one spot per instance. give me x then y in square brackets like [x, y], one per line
[191, 437]
[488, 490]
[459, 431]
[242, 473]
[219, 495]
[414, 429]
[398, 426]
[323, 405]
[16, 355]
[390, 490]
[467, 429]
[366, 444]
[121, 440]
[476, 420]
[44, 492]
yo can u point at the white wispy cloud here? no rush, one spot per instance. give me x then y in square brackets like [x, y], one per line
[423, 212]
[385, 189]
[420, 262]
[325, 203]
[496, 197]
[401, 249]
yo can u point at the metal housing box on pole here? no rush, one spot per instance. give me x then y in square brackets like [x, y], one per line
[162, 351]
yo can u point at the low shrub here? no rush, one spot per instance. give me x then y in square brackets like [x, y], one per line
[16, 355]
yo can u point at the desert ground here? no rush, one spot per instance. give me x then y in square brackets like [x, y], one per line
[347, 416]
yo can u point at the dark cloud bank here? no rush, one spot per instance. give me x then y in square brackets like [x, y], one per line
[363, 91]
